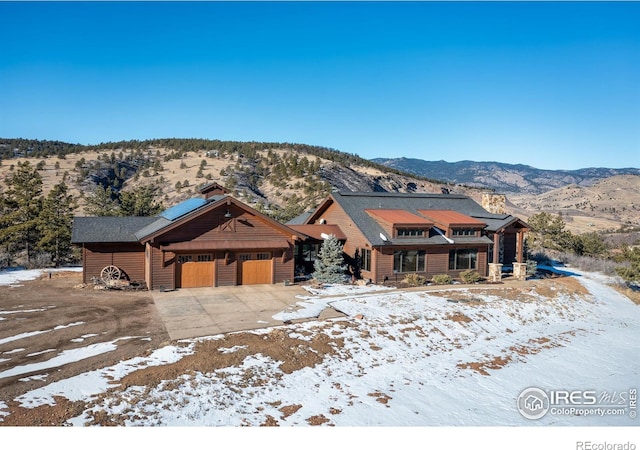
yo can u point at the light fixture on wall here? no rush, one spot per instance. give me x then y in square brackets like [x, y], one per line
[227, 214]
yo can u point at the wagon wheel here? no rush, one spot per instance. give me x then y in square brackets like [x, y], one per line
[110, 273]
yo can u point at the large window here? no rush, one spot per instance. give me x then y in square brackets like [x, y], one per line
[365, 259]
[310, 252]
[409, 261]
[463, 259]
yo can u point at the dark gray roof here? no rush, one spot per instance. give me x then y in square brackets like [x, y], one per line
[108, 229]
[301, 219]
[355, 204]
[154, 226]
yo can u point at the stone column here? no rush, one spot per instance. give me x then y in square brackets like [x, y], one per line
[495, 272]
[520, 271]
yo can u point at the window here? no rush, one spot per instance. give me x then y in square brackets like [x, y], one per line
[365, 259]
[205, 258]
[410, 232]
[464, 232]
[463, 259]
[310, 252]
[409, 261]
[263, 256]
[185, 259]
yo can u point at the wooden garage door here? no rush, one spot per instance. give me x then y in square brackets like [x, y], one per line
[194, 271]
[254, 268]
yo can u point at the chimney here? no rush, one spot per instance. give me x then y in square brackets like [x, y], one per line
[494, 203]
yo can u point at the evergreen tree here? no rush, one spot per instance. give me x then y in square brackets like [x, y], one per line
[21, 205]
[548, 231]
[140, 202]
[329, 266]
[55, 222]
[102, 202]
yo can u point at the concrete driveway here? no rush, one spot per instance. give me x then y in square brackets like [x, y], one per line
[195, 312]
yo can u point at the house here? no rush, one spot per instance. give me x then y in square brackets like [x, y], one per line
[388, 235]
[213, 240]
[216, 240]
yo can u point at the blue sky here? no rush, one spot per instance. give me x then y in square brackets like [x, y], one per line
[552, 85]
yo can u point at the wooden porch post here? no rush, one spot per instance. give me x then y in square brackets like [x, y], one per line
[520, 246]
[496, 247]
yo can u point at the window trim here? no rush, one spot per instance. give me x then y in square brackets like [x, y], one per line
[457, 255]
[365, 259]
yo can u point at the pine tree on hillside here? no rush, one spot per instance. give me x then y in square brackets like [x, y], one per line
[21, 204]
[101, 202]
[140, 202]
[55, 222]
[329, 266]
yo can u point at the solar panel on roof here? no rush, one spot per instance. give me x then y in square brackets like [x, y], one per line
[183, 208]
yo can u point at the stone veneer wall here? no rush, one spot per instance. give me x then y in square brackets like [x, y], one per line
[494, 203]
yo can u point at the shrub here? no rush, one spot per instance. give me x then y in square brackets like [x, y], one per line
[413, 279]
[441, 279]
[470, 276]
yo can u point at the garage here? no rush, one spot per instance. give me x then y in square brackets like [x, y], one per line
[195, 270]
[255, 268]
[211, 241]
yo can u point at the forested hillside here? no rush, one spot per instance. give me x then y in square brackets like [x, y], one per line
[143, 177]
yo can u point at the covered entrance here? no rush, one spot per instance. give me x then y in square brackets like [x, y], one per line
[255, 268]
[195, 270]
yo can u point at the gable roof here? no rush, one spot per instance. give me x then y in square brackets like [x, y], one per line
[163, 225]
[141, 229]
[357, 205]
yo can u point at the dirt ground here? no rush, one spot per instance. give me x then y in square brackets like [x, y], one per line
[88, 316]
[102, 316]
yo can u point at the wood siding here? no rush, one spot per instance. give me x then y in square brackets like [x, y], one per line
[128, 257]
[335, 215]
[437, 257]
[213, 226]
[213, 229]
[162, 269]
[437, 262]
[226, 269]
[284, 265]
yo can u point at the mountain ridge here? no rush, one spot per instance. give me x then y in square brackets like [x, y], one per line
[503, 177]
[284, 179]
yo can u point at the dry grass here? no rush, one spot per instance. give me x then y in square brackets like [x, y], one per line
[632, 295]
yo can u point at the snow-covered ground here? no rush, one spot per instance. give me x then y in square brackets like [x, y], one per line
[403, 359]
[13, 277]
